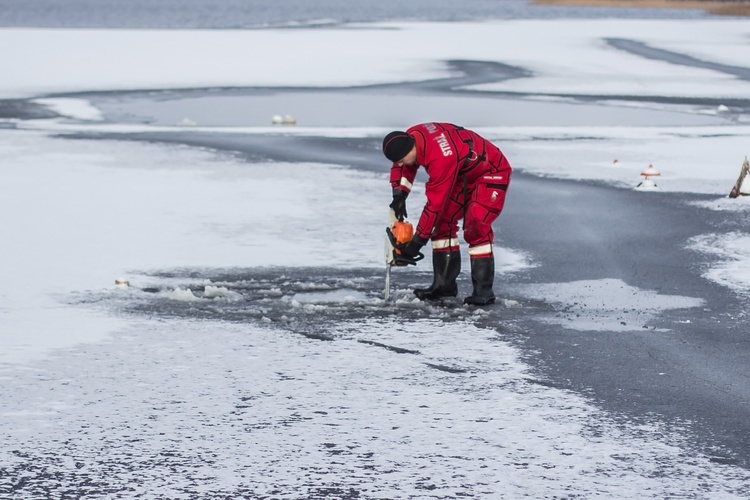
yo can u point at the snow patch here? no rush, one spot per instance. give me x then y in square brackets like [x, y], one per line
[604, 305]
[726, 204]
[79, 109]
[733, 271]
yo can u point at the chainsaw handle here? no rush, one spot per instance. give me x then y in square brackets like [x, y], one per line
[400, 259]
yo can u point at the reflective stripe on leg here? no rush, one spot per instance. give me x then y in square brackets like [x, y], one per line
[480, 251]
[445, 245]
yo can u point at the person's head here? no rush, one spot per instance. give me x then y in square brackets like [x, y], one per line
[399, 147]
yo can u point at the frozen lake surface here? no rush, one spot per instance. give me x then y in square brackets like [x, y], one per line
[253, 355]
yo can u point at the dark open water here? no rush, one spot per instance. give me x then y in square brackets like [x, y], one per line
[218, 14]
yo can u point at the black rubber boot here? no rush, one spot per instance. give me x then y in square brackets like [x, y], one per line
[446, 266]
[482, 277]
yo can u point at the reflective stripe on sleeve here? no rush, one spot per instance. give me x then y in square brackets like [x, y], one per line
[406, 183]
[481, 249]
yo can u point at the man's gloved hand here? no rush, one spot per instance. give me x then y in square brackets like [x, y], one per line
[399, 204]
[412, 248]
[409, 252]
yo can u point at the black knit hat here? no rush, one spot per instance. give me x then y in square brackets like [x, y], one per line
[396, 145]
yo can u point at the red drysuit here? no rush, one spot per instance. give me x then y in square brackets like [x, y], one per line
[468, 178]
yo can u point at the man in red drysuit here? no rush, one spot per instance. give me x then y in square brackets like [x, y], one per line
[468, 179]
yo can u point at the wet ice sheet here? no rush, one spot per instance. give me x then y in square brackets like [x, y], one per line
[694, 159]
[339, 108]
[604, 305]
[184, 408]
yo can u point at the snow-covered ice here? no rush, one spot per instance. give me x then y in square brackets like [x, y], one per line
[41, 61]
[242, 410]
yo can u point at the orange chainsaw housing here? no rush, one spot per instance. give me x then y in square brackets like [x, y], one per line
[403, 232]
[399, 234]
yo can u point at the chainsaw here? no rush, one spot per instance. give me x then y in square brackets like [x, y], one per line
[398, 233]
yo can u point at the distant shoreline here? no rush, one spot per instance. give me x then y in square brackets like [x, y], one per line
[715, 7]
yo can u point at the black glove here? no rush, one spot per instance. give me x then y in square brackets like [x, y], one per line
[399, 204]
[412, 248]
[409, 253]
